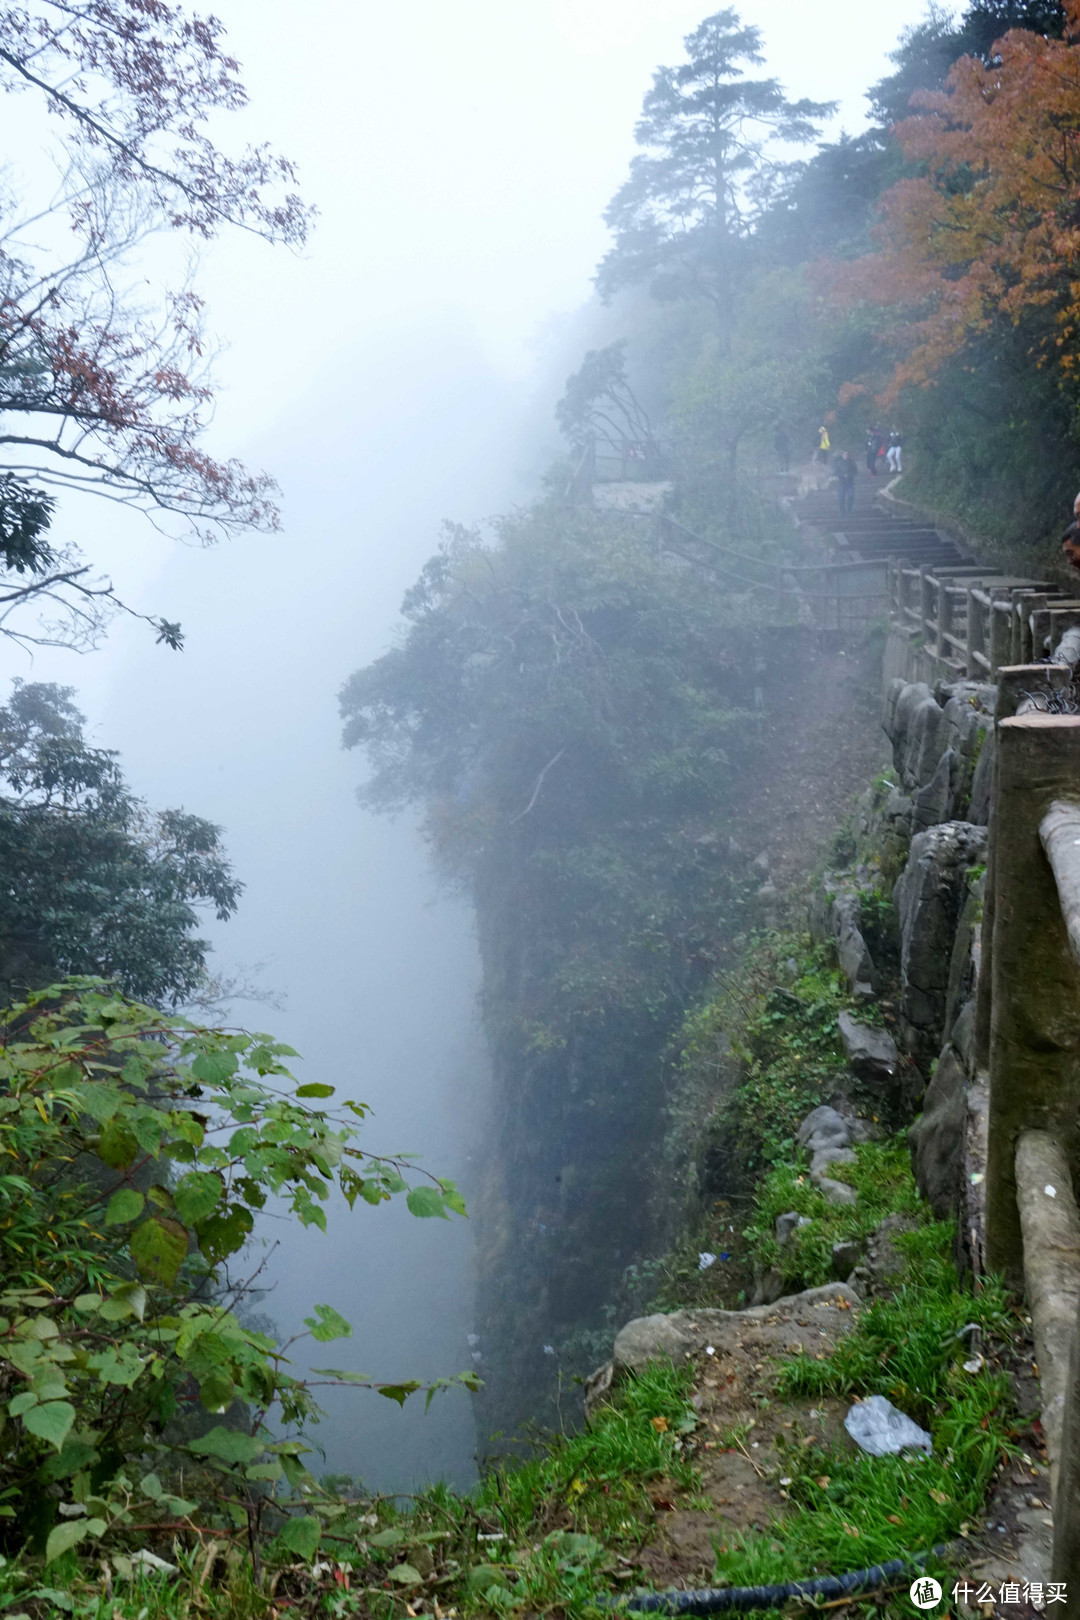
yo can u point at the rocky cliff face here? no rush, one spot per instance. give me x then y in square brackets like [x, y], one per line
[926, 834]
[582, 1181]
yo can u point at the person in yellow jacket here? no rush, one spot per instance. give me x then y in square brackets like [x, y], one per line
[824, 443]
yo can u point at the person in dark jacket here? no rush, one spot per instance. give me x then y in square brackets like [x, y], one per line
[844, 472]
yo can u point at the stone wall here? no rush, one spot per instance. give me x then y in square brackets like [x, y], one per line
[923, 840]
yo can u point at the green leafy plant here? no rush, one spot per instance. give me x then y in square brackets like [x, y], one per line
[884, 1184]
[848, 1509]
[137, 1150]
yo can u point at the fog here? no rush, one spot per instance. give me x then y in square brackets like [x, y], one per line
[393, 375]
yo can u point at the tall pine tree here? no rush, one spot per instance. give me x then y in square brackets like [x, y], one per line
[707, 167]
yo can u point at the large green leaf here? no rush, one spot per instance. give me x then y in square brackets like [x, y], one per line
[427, 1201]
[315, 1088]
[453, 1198]
[65, 1536]
[125, 1205]
[214, 1067]
[117, 1144]
[388, 1538]
[301, 1535]
[197, 1194]
[326, 1324]
[221, 1235]
[216, 1390]
[129, 1299]
[229, 1445]
[399, 1392]
[159, 1248]
[50, 1421]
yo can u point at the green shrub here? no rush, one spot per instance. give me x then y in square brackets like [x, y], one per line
[136, 1151]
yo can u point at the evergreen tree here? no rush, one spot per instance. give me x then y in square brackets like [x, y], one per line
[695, 190]
[927, 51]
[95, 882]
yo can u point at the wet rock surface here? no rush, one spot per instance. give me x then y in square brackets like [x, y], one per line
[871, 1052]
[937, 1136]
[929, 898]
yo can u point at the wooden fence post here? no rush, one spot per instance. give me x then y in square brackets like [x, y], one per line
[1013, 681]
[1000, 636]
[944, 618]
[975, 636]
[927, 611]
[1034, 978]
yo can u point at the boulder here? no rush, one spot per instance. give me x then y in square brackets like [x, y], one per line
[845, 1256]
[966, 953]
[927, 742]
[902, 704]
[938, 742]
[978, 696]
[788, 1223]
[852, 952]
[768, 1286]
[929, 897]
[884, 1264]
[823, 1157]
[835, 1192]
[823, 1127]
[888, 708]
[962, 1033]
[836, 918]
[937, 1137]
[938, 798]
[871, 1052]
[687, 1332]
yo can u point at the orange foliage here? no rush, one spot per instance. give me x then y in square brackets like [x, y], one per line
[992, 228]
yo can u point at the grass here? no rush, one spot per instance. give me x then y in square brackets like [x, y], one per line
[549, 1533]
[884, 1185]
[852, 1510]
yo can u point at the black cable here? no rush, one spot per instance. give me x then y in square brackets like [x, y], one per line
[713, 1600]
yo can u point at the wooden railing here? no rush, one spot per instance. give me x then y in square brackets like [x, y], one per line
[972, 621]
[845, 597]
[1027, 1039]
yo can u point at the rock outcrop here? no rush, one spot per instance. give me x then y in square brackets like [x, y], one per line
[871, 1052]
[938, 740]
[836, 916]
[785, 1326]
[930, 896]
[937, 1136]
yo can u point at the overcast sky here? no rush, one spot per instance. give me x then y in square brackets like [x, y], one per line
[461, 157]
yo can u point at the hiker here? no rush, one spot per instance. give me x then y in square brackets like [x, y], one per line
[873, 446]
[824, 443]
[844, 471]
[782, 446]
[896, 445]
